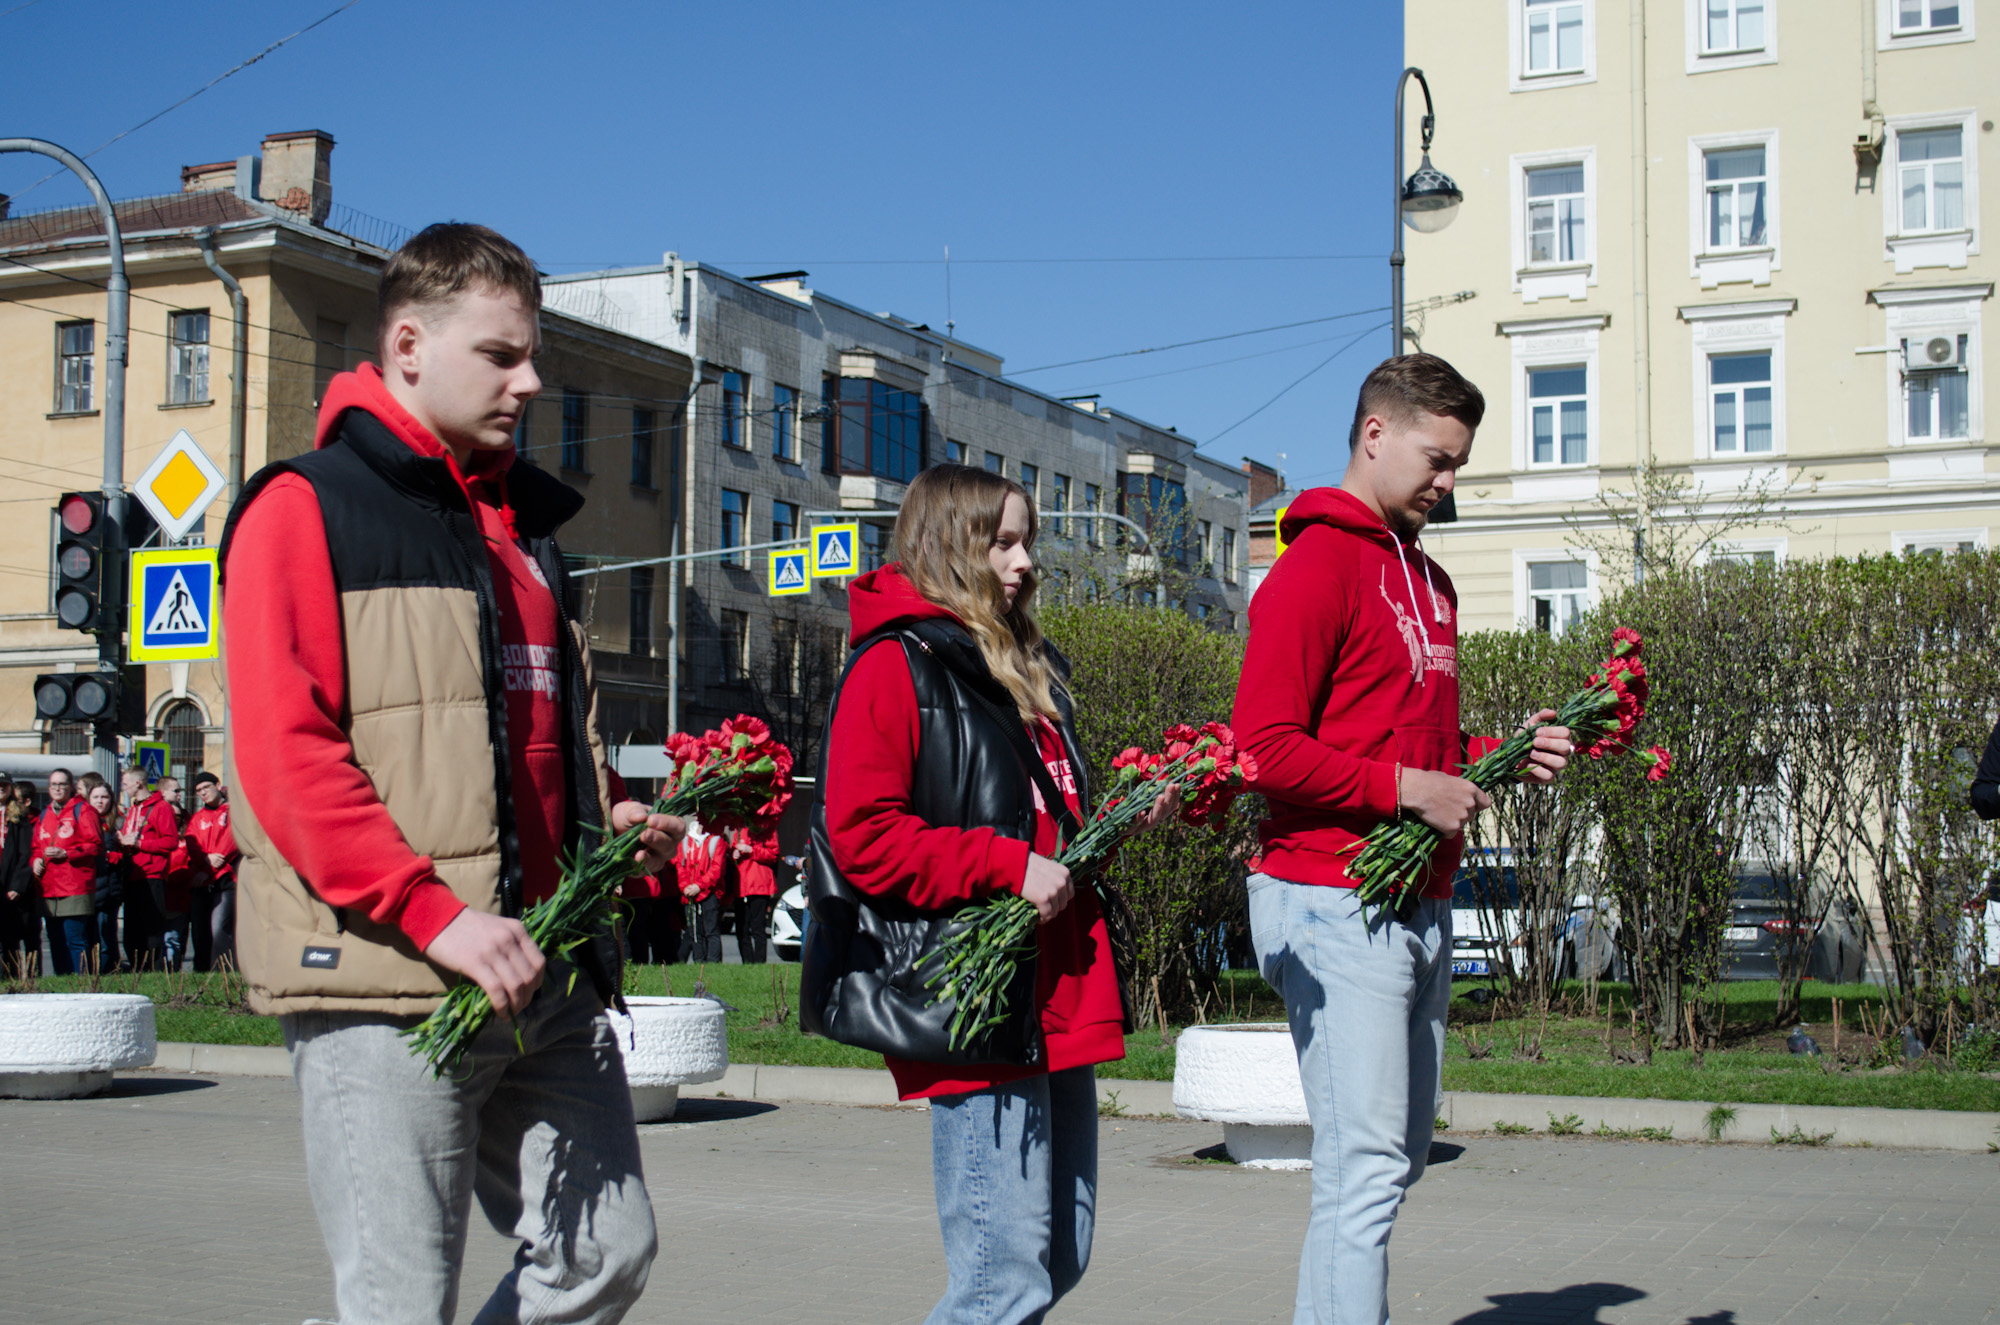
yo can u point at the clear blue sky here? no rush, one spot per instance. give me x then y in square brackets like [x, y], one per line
[854, 140]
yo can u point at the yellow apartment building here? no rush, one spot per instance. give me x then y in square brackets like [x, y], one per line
[1739, 241]
[307, 269]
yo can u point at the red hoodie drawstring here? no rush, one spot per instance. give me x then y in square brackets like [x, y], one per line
[506, 508]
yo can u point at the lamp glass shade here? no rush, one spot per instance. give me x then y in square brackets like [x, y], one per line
[1430, 199]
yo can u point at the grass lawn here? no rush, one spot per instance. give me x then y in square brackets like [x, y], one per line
[1576, 1054]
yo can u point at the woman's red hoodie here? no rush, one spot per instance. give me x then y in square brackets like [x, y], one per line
[1351, 670]
[884, 848]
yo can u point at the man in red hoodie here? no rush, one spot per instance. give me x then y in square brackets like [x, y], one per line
[149, 830]
[414, 745]
[212, 850]
[1349, 701]
[68, 840]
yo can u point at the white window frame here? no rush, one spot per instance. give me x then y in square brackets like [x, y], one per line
[1524, 611]
[1888, 39]
[1518, 77]
[1531, 403]
[1555, 343]
[1906, 540]
[1701, 61]
[1535, 281]
[1728, 266]
[1742, 328]
[1928, 248]
[1741, 451]
[1911, 314]
[1725, 548]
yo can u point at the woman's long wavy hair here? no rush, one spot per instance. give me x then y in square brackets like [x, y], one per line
[947, 525]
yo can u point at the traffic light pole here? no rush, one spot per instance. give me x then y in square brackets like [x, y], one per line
[117, 333]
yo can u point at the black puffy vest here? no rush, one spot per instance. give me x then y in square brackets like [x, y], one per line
[864, 980]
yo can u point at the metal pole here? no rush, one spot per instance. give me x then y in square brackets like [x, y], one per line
[239, 359]
[117, 322]
[1396, 202]
[1642, 320]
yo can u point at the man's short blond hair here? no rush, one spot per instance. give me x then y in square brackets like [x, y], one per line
[442, 261]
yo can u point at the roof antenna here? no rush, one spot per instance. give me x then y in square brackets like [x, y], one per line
[949, 325]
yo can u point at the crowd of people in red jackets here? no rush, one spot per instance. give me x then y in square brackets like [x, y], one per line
[677, 914]
[130, 879]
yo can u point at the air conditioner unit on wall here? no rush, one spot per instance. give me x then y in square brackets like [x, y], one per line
[1931, 353]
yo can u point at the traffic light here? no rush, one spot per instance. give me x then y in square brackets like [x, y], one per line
[88, 697]
[84, 553]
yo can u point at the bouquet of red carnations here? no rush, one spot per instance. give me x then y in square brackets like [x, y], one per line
[733, 776]
[976, 962]
[1392, 861]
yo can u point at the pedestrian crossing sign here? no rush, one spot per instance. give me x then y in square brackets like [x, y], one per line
[174, 605]
[833, 550]
[150, 758]
[791, 573]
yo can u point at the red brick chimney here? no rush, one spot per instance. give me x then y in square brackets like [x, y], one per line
[1265, 482]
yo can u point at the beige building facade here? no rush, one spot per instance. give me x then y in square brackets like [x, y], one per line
[308, 270]
[1787, 299]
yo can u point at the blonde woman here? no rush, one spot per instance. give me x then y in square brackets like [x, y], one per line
[951, 762]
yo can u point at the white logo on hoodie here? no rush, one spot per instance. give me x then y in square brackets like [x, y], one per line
[1424, 655]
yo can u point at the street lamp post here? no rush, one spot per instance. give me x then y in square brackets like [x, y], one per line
[1426, 202]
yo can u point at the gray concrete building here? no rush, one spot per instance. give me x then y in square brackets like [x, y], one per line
[809, 411]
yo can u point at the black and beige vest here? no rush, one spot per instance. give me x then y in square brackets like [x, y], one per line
[426, 715]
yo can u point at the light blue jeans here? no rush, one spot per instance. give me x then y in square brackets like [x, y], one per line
[544, 1138]
[1016, 1174]
[1367, 1007]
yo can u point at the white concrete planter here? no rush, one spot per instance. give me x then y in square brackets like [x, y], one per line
[63, 1046]
[1246, 1077]
[669, 1043]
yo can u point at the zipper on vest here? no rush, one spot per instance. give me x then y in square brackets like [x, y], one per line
[496, 707]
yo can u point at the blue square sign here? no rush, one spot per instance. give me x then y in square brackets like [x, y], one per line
[174, 605]
[833, 550]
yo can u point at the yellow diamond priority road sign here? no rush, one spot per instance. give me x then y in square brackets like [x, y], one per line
[178, 486]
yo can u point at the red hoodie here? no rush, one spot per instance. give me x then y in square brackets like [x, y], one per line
[1351, 670]
[884, 848]
[73, 827]
[156, 829]
[287, 670]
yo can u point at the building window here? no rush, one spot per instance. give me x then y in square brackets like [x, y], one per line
[733, 629]
[1931, 170]
[1093, 501]
[1914, 16]
[187, 747]
[187, 358]
[785, 423]
[784, 657]
[1938, 401]
[735, 389]
[76, 357]
[575, 424]
[996, 463]
[1558, 416]
[1059, 495]
[874, 546]
[1740, 414]
[1159, 505]
[784, 521]
[1558, 592]
[1208, 545]
[640, 608]
[1730, 26]
[735, 519]
[1939, 542]
[954, 452]
[1229, 557]
[873, 428]
[69, 738]
[1556, 214]
[642, 448]
[1736, 190]
[1031, 479]
[1554, 37]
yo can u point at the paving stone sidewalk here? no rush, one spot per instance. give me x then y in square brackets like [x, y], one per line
[183, 1199]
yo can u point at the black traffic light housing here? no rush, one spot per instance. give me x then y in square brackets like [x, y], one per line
[86, 563]
[92, 697]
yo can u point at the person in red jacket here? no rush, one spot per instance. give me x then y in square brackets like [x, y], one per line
[756, 889]
[149, 831]
[700, 871]
[68, 841]
[1014, 1145]
[212, 850]
[1349, 702]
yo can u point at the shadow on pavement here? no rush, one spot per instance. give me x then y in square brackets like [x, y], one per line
[129, 1087]
[703, 1109]
[1577, 1304]
[1443, 1152]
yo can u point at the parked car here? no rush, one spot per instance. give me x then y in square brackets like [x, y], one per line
[1759, 927]
[1587, 937]
[788, 923]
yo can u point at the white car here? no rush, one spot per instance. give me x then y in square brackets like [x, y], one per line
[788, 923]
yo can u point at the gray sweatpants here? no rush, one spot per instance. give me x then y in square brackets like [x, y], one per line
[544, 1138]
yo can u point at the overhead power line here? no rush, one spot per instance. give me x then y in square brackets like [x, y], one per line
[1356, 340]
[1205, 340]
[1034, 262]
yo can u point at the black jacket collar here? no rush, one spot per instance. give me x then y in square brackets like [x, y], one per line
[541, 502]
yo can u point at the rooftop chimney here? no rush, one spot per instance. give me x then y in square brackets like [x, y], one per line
[298, 174]
[214, 175]
[1265, 482]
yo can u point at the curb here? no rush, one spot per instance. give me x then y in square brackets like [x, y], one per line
[1463, 1111]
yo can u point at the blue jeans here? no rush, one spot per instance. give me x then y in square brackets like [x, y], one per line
[1016, 1174]
[70, 940]
[1367, 1005]
[174, 939]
